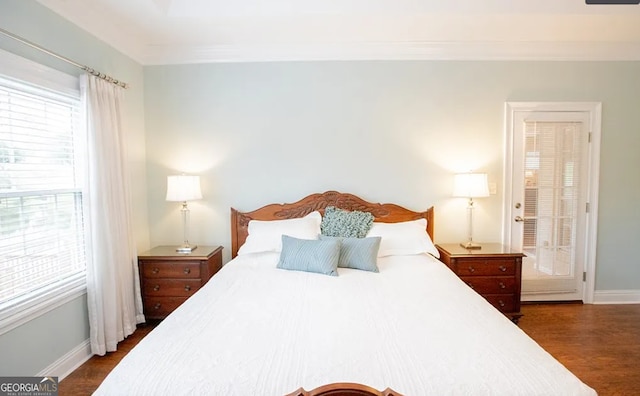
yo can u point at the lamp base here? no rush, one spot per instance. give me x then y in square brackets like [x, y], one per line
[186, 248]
[471, 246]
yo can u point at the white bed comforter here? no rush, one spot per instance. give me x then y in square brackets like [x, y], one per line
[413, 327]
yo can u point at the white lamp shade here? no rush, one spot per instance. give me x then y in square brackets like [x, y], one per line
[470, 185]
[183, 188]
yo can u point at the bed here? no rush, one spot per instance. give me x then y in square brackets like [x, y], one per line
[413, 326]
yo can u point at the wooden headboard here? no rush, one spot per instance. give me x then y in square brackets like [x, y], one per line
[384, 213]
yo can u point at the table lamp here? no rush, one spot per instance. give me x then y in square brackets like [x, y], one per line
[183, 188]
[470, 185]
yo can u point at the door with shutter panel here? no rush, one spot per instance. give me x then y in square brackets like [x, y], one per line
[548, 201]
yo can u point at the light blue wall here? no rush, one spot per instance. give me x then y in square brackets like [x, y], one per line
[32, 347]
[37, 344]
[385, 130]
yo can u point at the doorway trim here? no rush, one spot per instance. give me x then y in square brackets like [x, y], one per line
[593, 180]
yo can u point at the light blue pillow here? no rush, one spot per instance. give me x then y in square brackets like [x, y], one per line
[310, 255]
[357, 253]
[343, 223]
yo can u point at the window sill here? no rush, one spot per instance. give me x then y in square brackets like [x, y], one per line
[18, 313]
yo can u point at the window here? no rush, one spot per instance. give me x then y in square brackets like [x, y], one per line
[42, 249]
[552, 189]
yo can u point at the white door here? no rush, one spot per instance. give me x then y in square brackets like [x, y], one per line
[549, 199]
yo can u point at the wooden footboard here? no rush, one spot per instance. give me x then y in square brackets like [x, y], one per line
[344, 389]
[384, 213]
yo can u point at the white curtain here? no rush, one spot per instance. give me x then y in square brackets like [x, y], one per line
[113, 287]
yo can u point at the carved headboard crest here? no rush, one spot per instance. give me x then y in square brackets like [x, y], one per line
[387, 213]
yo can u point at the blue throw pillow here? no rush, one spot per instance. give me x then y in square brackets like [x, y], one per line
[357, 253]
[343, 223]
[310, 255]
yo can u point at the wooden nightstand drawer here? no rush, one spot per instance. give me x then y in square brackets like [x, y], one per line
[471, 267]
[491, 285]
[168, 269]
[169, 278]
[160, 307]
[171, 287]
[494, 272]
[505, 303]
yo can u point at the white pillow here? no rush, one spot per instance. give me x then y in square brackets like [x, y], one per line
[266, 236]
[405, 238]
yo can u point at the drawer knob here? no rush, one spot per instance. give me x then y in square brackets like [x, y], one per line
[502, 285]
[503, 268]
[187, 271]
[471, 269]
[156, 288]
[501, 303]
[155, 270]
[187, 288]
[157, 306]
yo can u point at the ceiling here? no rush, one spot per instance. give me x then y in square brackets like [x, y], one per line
[196, 31]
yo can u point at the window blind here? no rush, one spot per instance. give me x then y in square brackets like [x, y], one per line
[552, 190]
[41, 180]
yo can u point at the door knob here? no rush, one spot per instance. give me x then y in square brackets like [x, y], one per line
[519, 219]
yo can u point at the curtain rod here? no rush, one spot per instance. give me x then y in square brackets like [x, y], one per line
[64, 58]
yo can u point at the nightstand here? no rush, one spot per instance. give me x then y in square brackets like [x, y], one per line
[168, 278]
[494, 271]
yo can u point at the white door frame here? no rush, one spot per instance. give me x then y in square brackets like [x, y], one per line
[591, 234]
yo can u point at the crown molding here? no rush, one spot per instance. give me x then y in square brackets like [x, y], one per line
[122, 38]
[572, 32]
[409, 50]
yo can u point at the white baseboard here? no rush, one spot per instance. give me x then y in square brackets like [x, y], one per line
[616, 297]
[69, 362]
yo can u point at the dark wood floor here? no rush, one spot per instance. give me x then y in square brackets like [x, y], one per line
[86, 378]
[599, 343]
